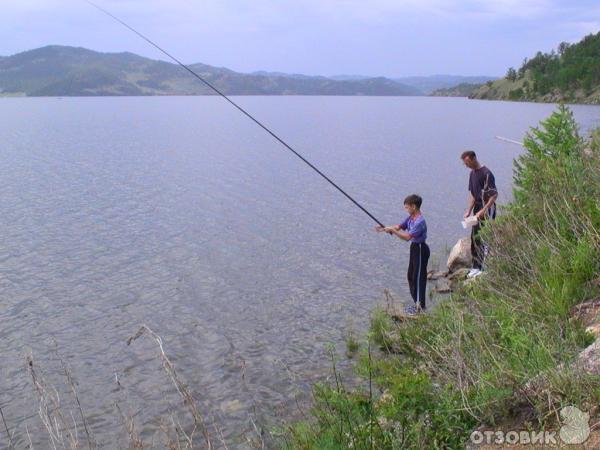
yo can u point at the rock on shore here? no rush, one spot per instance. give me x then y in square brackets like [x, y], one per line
[460, 255]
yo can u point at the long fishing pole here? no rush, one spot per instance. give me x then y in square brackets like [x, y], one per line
[512, 141]
[246, 113]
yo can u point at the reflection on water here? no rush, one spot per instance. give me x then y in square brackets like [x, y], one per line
[181, 214]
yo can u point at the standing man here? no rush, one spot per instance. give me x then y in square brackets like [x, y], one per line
[482, 203]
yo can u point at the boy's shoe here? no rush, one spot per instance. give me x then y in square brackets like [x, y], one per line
[412, 310]
[474, 273]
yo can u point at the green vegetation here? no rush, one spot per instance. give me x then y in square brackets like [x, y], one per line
[352, 344]
[504, 344]
[572, 67]
[462, 90]
[428, 85]
[569, 74]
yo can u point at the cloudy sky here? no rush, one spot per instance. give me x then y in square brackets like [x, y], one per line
[370, 37]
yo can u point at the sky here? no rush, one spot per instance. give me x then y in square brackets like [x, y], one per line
[392, 38]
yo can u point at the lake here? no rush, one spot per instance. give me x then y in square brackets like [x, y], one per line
[180, 213]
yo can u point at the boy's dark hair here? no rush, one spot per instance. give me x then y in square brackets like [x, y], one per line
[468, 154]
[414, 199]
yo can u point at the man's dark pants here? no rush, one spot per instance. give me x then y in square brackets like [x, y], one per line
[478, 247]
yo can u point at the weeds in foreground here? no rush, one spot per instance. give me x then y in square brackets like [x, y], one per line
[66, 423]
[503, 344]
[64, 430]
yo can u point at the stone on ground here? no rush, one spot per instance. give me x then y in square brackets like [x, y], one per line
[460, 255]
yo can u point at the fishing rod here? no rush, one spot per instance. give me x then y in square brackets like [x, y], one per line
[242, 110]
[512, 141]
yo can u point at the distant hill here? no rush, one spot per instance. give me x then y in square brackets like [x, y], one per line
[69, 71]
[462, 90]
[570, 74]
[348, 77]
[298, 76]
[429, 84]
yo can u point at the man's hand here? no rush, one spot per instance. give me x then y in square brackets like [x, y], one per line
[480, 214]
[467, 213]
[379, 228]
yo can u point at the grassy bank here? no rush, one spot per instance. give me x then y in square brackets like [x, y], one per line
[471, 360]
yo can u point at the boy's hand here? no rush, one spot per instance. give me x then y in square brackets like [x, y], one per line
[467, 213]
[388, 230]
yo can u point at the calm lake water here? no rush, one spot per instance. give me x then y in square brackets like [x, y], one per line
[181, 214]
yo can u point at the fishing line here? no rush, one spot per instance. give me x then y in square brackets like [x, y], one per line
[242, 110]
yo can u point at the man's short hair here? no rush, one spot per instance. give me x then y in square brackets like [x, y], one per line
[468, 154]
[414, 199]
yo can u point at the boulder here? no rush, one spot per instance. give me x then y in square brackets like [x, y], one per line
[458, 275]
[436, 275]
[460, 255]
[594, 330]
[588, 311]
[442, 286]
[589, 359]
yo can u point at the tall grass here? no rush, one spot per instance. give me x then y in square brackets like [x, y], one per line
[66, 423]
[503, 344]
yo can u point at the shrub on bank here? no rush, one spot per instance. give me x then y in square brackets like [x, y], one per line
[473, 359]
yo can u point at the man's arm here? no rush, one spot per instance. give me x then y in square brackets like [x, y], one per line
[487, 206]
[470, 205]
[489, 188]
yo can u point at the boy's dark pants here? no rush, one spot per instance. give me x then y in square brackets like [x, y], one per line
[417, 272]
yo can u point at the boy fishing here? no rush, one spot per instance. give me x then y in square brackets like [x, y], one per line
[414, 230]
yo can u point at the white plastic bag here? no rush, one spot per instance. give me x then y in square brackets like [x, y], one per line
[470, 222]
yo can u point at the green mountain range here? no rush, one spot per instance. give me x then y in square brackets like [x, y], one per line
[69, 71]
[569, 74]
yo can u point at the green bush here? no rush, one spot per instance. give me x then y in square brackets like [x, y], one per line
[516, 94]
